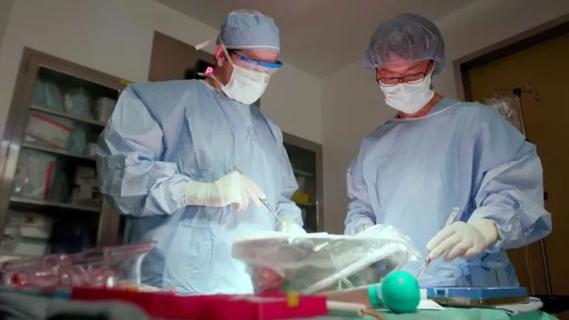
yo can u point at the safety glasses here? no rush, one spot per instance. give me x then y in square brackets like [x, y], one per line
[263, 64]
[255, 65]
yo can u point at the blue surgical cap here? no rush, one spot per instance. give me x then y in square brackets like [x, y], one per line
[407, 37]
[250, 29]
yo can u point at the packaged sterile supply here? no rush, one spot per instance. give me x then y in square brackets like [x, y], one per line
[35, 175]
[47, 94]
[85, 189]
[31, 224]
[77, 141]
[77, 102]
[104, 108]
[91, 149]
[11, 235]
[110, 267]
[28, 247]
[51, 130]
[320, 261]
[25, 234]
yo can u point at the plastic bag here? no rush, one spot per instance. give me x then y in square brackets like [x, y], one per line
[318, 261]
[12, 235]
[509, 107]
[104, 108]
[78, 103]
[77, 141]
[53, 96]
[25, 234]
[50, 130]
[114, 266]
[48, 95]
[35, 175]
[85, 189]
[38, 95]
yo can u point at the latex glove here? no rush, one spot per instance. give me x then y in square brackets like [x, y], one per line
[234, 188]
[290, 227]
[464, 240]
[365, 227]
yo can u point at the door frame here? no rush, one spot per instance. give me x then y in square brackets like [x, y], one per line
[519, 42]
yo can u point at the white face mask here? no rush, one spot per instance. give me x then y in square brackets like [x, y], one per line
[244, 85]
[409, 98]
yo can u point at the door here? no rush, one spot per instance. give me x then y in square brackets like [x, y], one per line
[542, 72]
[171, 58]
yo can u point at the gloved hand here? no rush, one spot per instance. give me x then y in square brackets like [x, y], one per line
[464, 240]
[365, 227]
[234, 188]
[290, 227]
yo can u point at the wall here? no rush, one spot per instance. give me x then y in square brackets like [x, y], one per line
[352, 106]
[116, 37]
[486, 22]
[5, 7]
[294, 100]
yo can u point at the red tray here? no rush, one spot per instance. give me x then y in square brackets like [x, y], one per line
[215, 307]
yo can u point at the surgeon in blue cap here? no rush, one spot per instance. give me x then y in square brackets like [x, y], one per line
[439, 154]
[187, 163]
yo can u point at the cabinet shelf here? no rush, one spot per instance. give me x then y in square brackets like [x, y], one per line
[57, 151]
[21, 201]
[68, 116]
[305, 205]
[303, 173]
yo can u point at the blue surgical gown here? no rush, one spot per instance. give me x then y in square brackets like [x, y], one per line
[410, 173]
[161, 135]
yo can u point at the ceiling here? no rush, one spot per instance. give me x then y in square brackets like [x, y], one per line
[319, 36]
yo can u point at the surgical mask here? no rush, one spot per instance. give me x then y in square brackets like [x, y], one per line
[244, 85]
[409, 98]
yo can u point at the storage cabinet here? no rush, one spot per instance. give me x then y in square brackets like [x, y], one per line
[49, 197]
[306, 160]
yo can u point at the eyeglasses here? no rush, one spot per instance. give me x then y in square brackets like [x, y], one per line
[412, 78]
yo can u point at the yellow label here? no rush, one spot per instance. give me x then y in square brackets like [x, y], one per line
[293, 299]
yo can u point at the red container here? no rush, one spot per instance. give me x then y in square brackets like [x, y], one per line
[215, 307]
